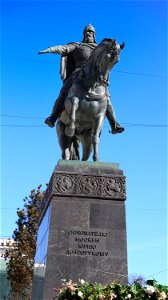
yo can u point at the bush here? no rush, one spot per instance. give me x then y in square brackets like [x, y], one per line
[135, 291]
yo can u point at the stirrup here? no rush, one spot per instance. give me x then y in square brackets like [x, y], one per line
[117, 130]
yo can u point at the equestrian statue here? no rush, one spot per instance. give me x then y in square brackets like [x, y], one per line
[84, 99]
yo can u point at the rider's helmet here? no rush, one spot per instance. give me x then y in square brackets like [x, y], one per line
[89, 27]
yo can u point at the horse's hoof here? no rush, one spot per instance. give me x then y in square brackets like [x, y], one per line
[95, 158]
[66, 154]
[70, 131]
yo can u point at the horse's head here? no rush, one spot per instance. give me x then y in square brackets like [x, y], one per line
[101, 61]
[108, 54]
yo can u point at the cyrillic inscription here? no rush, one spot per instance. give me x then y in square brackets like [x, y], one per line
[87, 243]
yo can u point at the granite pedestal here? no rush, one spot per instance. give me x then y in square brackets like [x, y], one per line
[82, 232]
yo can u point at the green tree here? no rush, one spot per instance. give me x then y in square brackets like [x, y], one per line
[21, 256]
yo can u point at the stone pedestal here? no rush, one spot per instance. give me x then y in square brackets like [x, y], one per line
[82, 232]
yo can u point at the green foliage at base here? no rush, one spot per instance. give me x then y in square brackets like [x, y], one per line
[135, 291]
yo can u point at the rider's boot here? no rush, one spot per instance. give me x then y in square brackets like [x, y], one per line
[50, 121]
[57, 109]
[115, 126]
[59, 103]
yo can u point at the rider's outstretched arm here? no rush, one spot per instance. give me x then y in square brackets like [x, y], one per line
[59, 49]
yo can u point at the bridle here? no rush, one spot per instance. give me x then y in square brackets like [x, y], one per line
[108, 44]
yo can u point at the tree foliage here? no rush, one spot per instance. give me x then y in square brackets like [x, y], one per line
[21, 255]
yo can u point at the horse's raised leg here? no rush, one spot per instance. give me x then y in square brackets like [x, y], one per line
[96, 136]
[70, 127]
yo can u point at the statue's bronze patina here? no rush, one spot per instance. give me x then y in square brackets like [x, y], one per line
[84, 99]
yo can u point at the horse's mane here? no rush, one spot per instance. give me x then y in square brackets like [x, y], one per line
[101, 46]
[107, 40]
[96, 53]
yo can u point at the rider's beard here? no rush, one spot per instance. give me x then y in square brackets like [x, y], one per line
[89, 39]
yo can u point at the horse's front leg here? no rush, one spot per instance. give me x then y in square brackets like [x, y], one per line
[70, 127]
[96, 136]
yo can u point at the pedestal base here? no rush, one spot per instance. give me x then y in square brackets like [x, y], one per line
[82, 232]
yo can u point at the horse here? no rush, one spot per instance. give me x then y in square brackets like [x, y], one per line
[86, 103]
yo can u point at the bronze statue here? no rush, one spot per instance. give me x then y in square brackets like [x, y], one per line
[86, 103]
[74, 57]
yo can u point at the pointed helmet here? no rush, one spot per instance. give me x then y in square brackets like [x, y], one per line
[89, 27]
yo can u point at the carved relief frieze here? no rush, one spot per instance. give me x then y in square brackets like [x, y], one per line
[90, 186]
[86, 186]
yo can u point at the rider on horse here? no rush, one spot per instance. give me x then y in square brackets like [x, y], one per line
[74, 57]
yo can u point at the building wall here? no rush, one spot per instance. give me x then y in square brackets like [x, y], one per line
[5, 243]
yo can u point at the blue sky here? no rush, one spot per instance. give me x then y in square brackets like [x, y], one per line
[30, 83]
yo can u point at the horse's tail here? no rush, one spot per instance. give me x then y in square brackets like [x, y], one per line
[74, 149]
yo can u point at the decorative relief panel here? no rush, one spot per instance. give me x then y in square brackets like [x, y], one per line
[88, 186]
